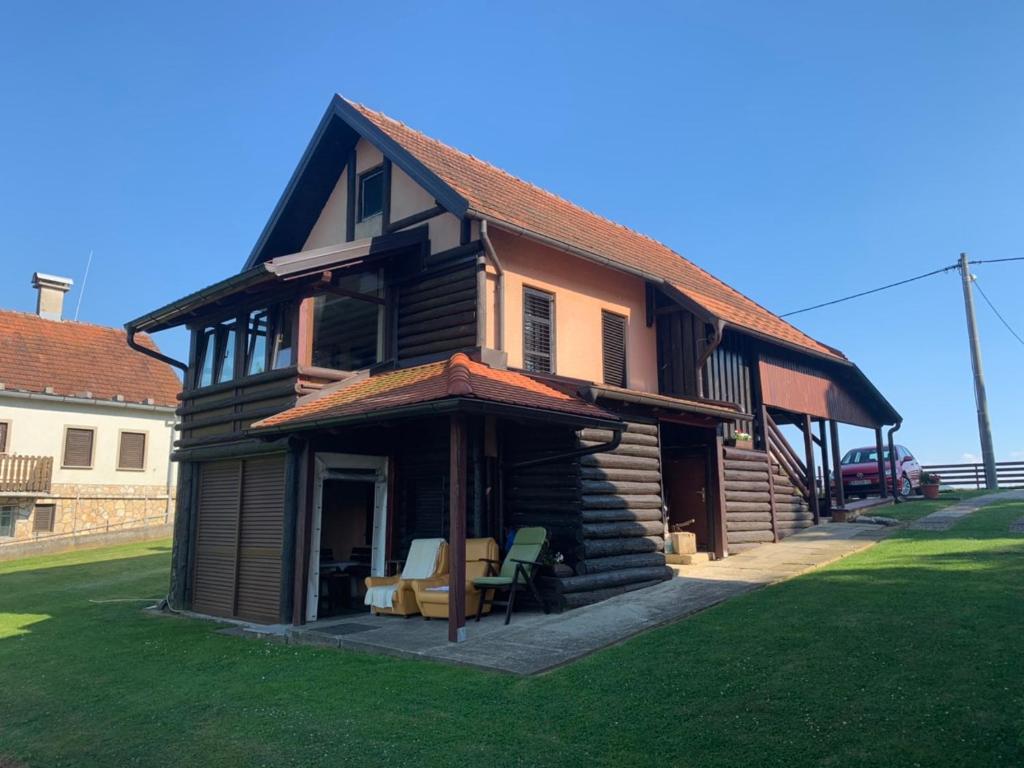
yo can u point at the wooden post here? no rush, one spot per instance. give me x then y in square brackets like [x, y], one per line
[826, 489]
[718, 498]
[457, 529]
[812, 485]
[883, 488]
[833, 427]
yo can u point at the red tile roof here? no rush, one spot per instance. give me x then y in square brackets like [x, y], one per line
[79, 358]
[501, 197]
[458, 376]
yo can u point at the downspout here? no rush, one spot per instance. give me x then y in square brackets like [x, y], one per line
[892, 462]
[153, 353]
[611, 445]
[716, 339]
[499, 288]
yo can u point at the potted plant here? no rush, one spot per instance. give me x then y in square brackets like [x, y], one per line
[930, 485]
[554, 564]
[743, 440]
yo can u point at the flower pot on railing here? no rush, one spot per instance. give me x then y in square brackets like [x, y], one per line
[743, 440]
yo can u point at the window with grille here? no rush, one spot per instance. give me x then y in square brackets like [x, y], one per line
[132, 451]
[42, 518]
[6, 521]
[78, 447]
[538, 331]
[613, 348]
[4, 429]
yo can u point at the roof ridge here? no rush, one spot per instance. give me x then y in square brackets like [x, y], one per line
[457, 373]
[62, 321]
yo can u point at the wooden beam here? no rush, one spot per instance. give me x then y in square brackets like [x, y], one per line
[883, 488]
[457, 529]
[416, 218]
[718, 495]
[836, 466]
[823, 442]
[350, 202]
[812, 485]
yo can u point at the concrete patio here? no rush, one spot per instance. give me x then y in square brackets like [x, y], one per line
[535, 643]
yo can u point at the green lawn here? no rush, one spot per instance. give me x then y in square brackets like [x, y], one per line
[915, 508]
[905, 655]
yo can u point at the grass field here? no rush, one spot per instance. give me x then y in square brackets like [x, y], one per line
[907, 654]
[917, 508]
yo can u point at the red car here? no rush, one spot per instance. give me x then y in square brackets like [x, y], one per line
[860, 472]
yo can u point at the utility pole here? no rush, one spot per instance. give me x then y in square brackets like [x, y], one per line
[984, 427]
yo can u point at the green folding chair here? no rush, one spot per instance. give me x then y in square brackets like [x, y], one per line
[519, 570]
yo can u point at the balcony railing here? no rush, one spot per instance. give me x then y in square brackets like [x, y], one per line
[25, 474]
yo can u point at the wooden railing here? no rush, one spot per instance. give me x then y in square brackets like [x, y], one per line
[782, 453]
[25, 474]
[1009, 474]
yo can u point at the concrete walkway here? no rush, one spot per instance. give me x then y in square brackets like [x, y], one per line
[947, 517]
[535, 643]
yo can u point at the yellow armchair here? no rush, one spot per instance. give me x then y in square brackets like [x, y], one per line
[403, 602]
[481, 556]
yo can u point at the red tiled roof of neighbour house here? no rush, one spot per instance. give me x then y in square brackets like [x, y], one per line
[79, 358]
[501, 197]
[459, 376]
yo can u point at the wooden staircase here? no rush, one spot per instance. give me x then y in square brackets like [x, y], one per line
[766, 492]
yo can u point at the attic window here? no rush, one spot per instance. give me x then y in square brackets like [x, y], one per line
[371, 193]
[538, 331]
[613, 348]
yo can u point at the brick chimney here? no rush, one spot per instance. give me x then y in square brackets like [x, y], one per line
[50, 302]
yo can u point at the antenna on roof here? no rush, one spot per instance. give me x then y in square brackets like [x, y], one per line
[81, 291]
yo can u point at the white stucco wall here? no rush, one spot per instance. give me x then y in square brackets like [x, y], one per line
[36, 428]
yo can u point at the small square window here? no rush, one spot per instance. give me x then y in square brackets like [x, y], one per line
[43, 517]
[78, 447]
[6, 521]
[371, 193]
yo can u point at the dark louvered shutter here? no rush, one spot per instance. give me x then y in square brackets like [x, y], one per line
[613, 348]
[78, 447]
[260, 540]
[42, 518]
[538, 331]
[3, 437]
[218, 509]
[132, 454]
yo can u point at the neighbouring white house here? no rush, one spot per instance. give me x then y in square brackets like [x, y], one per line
[86, 429]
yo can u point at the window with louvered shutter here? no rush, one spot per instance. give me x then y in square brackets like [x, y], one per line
[78, 447]
[538, 331]
[613, 348]
[3, 436]
[42, 518]
[132, 453]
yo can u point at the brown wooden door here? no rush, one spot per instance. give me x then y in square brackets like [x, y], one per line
[685, 477]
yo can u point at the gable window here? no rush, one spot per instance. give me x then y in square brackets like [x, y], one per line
[131, 453]
[371, 193]
[6, 521]
[538, 331]
[42, 518]
[5, 431]
[613, 348]
[78, 442]
[348, 323]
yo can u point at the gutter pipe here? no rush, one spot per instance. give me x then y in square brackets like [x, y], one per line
[716, 339]
[611, 445]
[153, 353]
[892, 462]
[499, 290]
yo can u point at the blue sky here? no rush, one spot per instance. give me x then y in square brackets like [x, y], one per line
[800, 151]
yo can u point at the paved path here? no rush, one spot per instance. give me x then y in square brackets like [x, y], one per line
[535, 643]
[947, 517]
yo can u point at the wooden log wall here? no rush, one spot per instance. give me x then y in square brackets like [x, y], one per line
[622, 526]
[760, 508]
[437, 308]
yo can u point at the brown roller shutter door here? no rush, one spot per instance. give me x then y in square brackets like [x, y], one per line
[238, 540]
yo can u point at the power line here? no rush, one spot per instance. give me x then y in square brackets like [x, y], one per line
[873, 290]
[996, 261]
[993, 308]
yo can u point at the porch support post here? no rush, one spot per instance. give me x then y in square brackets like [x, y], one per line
[812, 485]
[457, 529]
[883, 487]
[717, 497]
[837, 468]
[826, 488]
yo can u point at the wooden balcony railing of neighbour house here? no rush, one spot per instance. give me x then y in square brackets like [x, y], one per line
[25, 474]
[1009, 474]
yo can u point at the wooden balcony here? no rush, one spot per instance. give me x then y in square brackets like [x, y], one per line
[25, 474]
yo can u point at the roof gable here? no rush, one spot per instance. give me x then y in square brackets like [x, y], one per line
[80, 360]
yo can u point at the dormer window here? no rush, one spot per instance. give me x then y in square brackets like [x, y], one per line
[371, 193]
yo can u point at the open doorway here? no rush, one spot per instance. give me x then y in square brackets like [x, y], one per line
[686, 479]
[348, 538]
